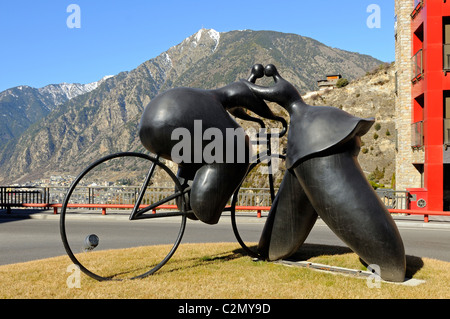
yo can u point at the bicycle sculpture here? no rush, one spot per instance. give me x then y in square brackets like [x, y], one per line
[323, 177]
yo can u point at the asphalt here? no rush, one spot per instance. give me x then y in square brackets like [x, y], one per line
[416, 221]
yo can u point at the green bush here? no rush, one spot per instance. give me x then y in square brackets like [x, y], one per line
[376, 185]
[341, 82]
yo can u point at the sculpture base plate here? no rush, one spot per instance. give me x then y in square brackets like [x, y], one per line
[368, 275]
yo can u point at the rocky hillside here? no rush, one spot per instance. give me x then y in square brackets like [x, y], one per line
[369, 96]
[105, 120]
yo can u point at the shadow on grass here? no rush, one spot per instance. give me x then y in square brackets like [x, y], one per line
[308, 251]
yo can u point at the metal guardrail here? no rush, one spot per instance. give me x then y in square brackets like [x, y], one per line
[397, 202]
[111, 195]
[393, 199]
[128, 194]
[16, 195]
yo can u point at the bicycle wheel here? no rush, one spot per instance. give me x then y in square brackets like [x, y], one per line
[258, 171]
[111, 246]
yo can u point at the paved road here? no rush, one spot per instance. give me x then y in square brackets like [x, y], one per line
[37, 238]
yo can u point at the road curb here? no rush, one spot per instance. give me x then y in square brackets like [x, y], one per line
[399, 222]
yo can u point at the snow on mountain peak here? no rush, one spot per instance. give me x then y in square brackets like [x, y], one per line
[66, 91]
[195, 38]
[215, 35]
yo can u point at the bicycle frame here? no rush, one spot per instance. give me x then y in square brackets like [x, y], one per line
[268, 155]
[139, 214]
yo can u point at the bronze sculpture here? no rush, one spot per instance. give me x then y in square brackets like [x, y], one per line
[323, 177]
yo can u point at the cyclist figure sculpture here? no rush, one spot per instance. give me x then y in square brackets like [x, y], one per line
[199, 113]
[323, 178]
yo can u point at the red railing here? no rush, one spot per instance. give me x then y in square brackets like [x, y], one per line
[425, 213]
[104, 207]
[258, 209]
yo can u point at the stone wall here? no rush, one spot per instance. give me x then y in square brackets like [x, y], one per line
[406, 174]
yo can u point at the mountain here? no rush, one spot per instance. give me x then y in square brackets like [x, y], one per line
[105, 120]
[23, 105]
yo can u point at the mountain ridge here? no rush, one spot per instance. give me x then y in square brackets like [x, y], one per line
[105, 120]
[23, 105]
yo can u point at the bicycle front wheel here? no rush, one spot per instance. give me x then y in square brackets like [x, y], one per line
[95, 224]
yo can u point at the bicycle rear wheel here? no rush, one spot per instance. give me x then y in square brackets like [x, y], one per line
[262, 169]
[113, 247]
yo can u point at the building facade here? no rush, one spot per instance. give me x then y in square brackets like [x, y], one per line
[423, 101]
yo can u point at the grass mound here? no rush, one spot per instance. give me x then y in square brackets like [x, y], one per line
[220, 271]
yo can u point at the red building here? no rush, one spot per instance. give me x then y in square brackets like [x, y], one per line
[430, 95]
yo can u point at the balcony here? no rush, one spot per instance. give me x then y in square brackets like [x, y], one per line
[417, 66]
[446, 55]
[418, 5]
[417, 135]
[446, 133]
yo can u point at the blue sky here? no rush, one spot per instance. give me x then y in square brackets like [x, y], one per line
[38, 48]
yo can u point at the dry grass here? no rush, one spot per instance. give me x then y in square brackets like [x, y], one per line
[219, 271]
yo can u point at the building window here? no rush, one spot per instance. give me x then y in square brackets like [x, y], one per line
[446, 43]
[395, 27]
[446, 119]
[446, 133]
[417, 59]
[417, 135]
[417, 66]
[418, 5]
[396, 83]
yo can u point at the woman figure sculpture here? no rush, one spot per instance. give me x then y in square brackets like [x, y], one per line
[323, 178]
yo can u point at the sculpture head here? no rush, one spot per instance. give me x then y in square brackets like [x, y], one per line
[271, 70]
[257, 72]
[281, 92]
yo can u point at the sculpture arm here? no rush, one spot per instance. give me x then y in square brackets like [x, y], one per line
[263, 92]
[240, 113]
